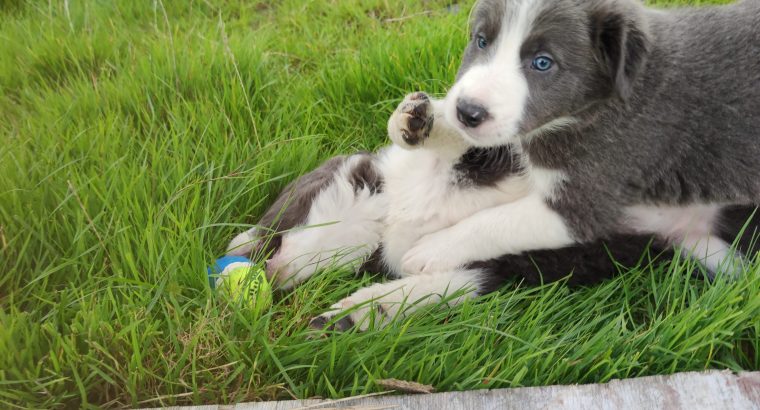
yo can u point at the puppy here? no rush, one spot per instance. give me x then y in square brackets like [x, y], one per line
[352, 206]
[331, 217]
[627, 119]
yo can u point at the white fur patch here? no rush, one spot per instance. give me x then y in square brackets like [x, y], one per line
[544, 182]
[671, 222]
[513, 228]
[690, 229]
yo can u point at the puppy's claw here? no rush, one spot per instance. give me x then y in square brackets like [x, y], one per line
[323, 323]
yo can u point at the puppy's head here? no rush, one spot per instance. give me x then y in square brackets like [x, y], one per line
[533, 64]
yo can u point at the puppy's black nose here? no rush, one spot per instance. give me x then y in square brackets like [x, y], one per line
[471, 115]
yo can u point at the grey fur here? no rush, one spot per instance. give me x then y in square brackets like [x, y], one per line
[667, 102]
[365, 174]
[291, 207]
[487, 18]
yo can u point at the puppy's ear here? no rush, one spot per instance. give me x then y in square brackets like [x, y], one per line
[620, 43]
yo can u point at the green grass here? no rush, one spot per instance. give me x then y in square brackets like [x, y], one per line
[138, 137]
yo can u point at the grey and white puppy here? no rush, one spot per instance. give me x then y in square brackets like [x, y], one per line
[629, 120]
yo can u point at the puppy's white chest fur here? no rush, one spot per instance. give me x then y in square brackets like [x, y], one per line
[424, 196]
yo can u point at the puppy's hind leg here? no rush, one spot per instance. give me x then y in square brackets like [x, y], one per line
[692, 231]
[716, 255]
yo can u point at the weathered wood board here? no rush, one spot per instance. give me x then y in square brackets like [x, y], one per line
[687, 391]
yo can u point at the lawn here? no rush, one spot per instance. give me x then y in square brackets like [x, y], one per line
[139, 136]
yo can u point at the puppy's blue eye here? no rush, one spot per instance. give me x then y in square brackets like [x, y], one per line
[482, 42]
[542, 63]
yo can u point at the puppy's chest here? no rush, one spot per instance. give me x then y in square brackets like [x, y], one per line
[425, 192]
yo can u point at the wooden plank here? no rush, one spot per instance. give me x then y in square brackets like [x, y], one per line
[687, 391]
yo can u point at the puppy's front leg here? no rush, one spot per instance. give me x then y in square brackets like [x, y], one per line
[397, 298]
[524, 225]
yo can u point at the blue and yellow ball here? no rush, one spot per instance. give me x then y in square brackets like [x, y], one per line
[241, 281]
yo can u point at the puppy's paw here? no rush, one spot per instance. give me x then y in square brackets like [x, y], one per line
[345, 315]
[411, 123]
[243, 244]
[373, 306]
[432, 254]
[326, 321]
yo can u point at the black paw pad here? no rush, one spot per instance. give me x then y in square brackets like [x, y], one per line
[420, 120]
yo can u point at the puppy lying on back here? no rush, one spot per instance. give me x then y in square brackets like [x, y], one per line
[366, 209]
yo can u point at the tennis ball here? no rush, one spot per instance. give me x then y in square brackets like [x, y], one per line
[240, 281]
